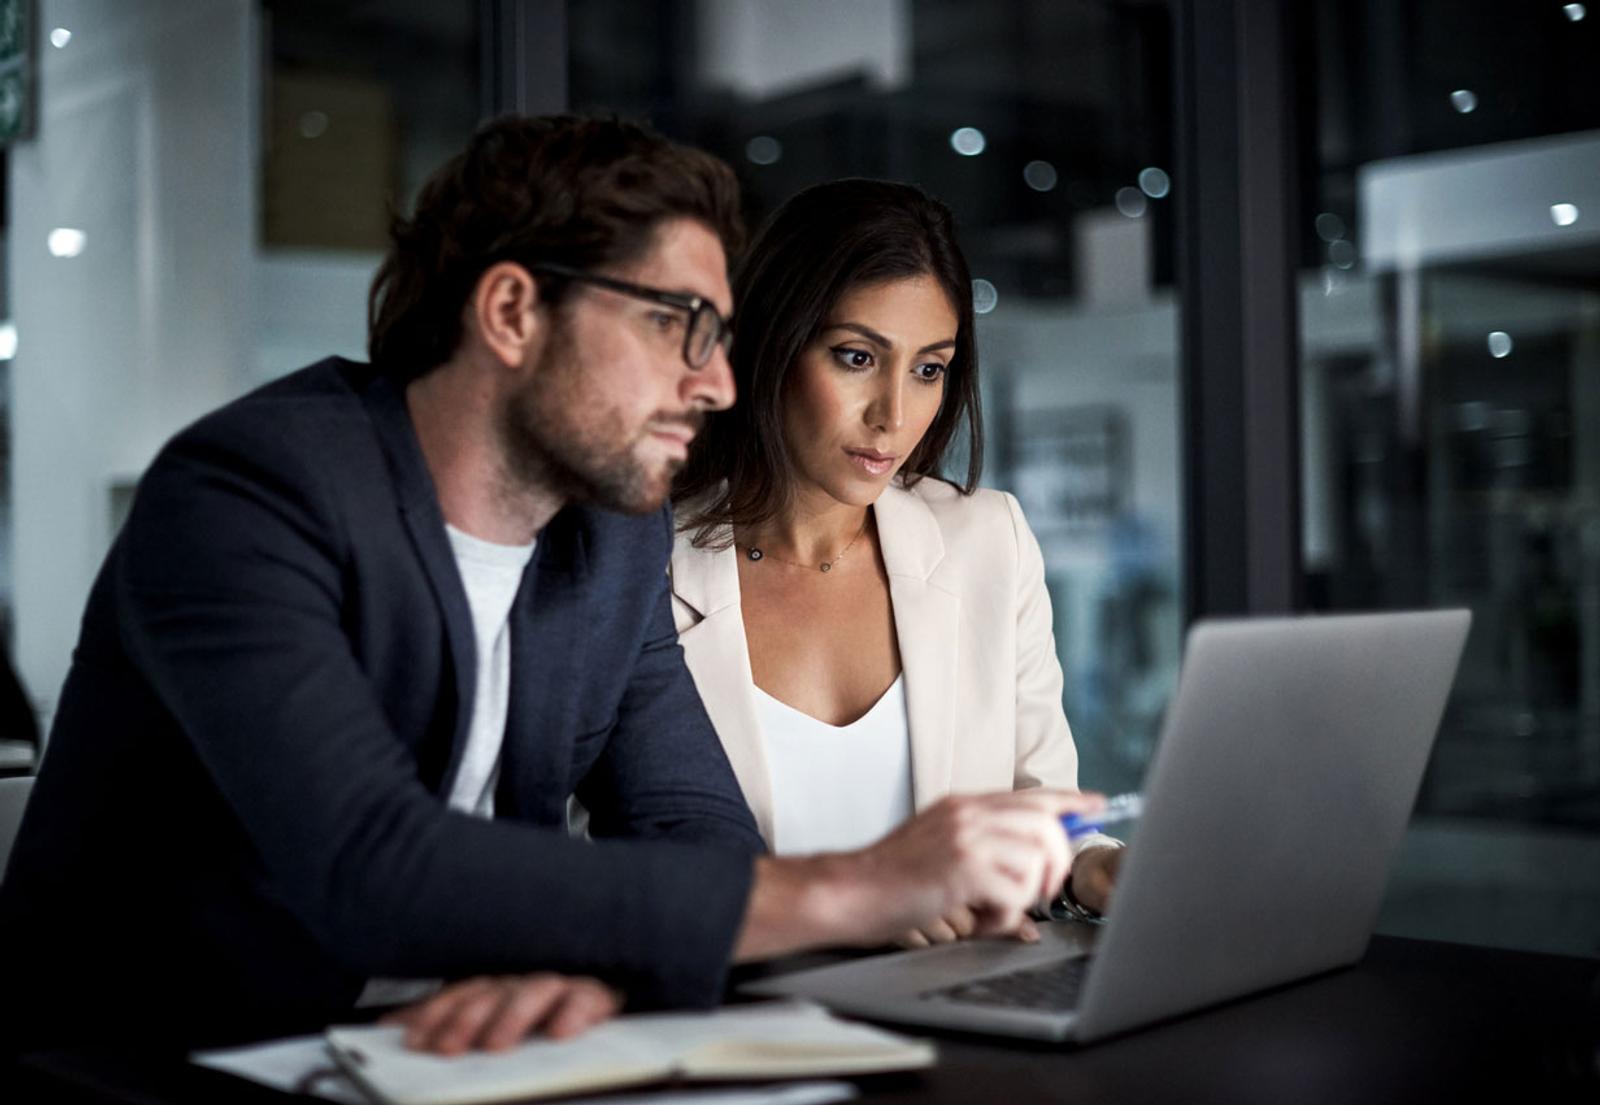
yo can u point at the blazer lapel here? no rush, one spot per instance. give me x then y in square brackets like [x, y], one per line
[708, 581]
[927, 622]
[548, 651]
[419, 506]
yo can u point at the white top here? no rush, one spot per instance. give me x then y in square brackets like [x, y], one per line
[836, 787]
[491, 574]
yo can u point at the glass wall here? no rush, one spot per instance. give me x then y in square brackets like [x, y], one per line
[361, 101]
[1451, 390]
[200, 208]
[1046, 126]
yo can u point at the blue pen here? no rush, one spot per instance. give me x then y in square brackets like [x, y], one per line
[1123, 807]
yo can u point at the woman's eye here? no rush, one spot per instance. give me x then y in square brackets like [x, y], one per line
[853, 358]
[930, 372]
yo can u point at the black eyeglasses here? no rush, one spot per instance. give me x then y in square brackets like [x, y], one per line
[707, 328]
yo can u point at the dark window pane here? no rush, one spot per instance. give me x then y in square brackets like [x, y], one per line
[1452, 402]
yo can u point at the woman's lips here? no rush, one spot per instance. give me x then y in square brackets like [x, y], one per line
[870, 461]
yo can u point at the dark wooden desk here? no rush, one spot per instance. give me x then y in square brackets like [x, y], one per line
[1415, 1021]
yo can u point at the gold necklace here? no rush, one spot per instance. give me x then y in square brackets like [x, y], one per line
[754, 553]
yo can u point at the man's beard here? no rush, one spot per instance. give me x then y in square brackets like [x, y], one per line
[556, 437]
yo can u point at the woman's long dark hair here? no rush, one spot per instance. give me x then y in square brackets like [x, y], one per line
[826, 241]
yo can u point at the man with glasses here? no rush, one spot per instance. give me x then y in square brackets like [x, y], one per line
[369, 628]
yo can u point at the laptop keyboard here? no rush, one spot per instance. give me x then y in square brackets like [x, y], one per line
[1053, 988]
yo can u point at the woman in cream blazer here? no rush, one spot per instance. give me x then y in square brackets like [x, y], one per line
[972, 619]
[867, 637]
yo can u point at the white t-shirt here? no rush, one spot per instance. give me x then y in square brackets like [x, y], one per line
[836, 787]
[491, 574]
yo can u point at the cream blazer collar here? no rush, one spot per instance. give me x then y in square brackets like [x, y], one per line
[926, 616]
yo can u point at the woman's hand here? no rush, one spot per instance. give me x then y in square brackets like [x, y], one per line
[986, 857]
[495, 1013]
[990, 856]
[959, 925]
[1094, 876]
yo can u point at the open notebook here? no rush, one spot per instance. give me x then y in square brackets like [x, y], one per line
[742, 1043]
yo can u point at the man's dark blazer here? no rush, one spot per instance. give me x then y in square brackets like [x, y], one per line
[240, 817]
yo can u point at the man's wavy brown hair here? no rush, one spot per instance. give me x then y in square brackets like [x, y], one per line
[587, 193]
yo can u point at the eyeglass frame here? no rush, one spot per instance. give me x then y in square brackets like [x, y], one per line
[696, 305]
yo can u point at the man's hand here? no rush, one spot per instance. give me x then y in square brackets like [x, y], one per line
[1094, 876]
[993, 856]
[495, 1013]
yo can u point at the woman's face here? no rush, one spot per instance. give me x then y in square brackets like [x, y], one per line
[866, 389]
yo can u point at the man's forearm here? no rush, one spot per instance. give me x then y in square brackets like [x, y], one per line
[798, 902]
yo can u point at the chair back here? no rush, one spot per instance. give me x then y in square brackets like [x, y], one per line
[13, 799]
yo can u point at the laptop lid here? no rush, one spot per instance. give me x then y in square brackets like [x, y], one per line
[1275, 804]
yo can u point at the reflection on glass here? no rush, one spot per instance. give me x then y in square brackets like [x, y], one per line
[1040, 175]
[1131, 202]
[763, 149]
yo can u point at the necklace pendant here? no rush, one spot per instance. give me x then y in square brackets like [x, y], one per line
[754, 553]
[827, 565]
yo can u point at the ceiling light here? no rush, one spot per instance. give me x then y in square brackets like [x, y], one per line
[64, 241]
[968, 141]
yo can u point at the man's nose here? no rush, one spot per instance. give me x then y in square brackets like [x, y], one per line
[711, 386]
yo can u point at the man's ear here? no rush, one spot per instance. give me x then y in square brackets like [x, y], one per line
[505, 311]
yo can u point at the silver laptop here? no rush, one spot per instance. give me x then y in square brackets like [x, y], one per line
[1274, 806]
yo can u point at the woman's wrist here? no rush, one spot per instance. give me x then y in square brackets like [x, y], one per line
[1067, 902]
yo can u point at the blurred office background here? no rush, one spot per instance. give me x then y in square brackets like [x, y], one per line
[1282, 306]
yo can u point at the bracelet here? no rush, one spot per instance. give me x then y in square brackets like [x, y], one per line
[1068, 903]
[1075, 910]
